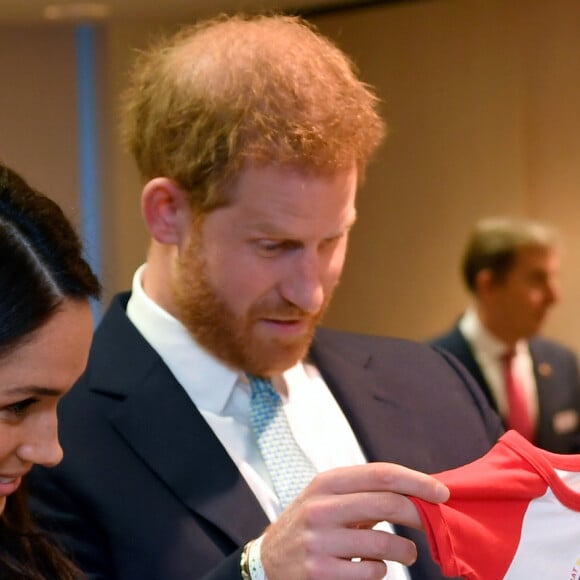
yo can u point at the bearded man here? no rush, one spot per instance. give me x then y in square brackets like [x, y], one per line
[218, 432]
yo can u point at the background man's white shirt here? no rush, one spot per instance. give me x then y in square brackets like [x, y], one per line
[488, 351]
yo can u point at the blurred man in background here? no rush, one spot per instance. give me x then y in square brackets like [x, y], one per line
[511, 268]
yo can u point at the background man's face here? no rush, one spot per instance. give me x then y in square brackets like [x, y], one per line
[523, 298]
[254, 282]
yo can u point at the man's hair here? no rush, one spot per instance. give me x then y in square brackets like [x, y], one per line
[495, 242]
[265, 89]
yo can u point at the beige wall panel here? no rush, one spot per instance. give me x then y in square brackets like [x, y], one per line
[38, 115]
[553, 143]
[450, 79]
[125, 245]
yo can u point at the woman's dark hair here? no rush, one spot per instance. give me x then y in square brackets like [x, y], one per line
[41, 266]
[41, 260]
[25, 552]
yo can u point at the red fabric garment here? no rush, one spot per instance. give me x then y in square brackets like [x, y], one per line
[510, 515]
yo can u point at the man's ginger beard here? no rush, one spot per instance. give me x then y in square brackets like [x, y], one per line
[231, 338]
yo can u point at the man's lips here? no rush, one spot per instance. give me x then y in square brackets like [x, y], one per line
[287, 324]
[285, 321]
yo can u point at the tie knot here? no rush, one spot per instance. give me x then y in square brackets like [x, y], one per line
[261, 385]
[264, 395]
[259, 382]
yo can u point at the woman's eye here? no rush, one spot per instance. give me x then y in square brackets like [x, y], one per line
[19, 408]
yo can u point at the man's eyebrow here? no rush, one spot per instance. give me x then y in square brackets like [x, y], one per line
[32, 390]
[346, 227]
[278, 231]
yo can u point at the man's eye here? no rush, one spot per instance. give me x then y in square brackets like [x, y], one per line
[271, 248]
[331, 242]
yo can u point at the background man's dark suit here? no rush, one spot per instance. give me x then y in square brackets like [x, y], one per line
[557, 381]
[146, 491]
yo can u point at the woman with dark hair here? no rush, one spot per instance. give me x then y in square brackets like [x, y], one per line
[45, 334]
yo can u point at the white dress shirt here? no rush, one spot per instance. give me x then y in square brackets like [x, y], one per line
[488, 352]
[222, 395]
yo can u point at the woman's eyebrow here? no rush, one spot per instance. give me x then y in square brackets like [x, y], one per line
[32, 390]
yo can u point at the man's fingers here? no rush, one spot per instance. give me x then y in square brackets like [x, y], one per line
[366, 545]
[361, 510]
[327, 526]
[380, 477]
[348, 570]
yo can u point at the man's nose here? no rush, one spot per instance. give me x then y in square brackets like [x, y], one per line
[303, 284]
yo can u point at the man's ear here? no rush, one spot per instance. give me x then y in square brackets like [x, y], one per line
[165, 210]
[484, 282]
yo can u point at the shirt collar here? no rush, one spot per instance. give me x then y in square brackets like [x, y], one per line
[482, 339]
[207, 381]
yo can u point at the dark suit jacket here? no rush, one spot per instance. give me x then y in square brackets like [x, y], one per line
[558, 384]
[146, 491]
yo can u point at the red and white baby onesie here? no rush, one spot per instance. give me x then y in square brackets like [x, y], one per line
[513, 514]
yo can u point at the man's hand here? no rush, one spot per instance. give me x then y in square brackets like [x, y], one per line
[330, 523]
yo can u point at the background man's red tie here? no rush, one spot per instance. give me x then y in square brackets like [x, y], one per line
[518, 416]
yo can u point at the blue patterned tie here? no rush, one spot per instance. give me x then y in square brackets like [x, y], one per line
[289, 469]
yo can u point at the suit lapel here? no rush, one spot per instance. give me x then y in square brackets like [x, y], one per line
[164, 428]
[543, 372]
[374, 414]
[462, 350]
